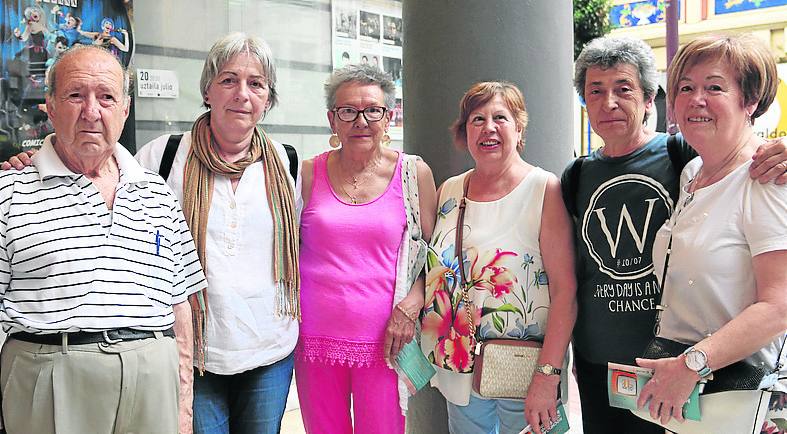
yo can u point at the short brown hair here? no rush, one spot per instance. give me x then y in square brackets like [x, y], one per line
[749, 57]
[480, 94]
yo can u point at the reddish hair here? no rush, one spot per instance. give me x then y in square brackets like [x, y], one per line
[480, 94]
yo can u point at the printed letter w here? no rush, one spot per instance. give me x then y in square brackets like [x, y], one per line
[639, 239]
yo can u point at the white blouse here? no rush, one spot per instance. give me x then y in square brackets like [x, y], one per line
[715, 235]
[243, 330]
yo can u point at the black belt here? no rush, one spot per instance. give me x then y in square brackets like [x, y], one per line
[79, 338]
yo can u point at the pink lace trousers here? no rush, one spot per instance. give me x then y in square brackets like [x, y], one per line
[324, 392]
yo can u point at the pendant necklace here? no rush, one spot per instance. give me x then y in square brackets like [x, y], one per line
[694, 183]
[353, 199]
[358, 181]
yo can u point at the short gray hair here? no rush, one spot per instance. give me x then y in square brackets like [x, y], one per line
[362, 74]
[230, 46]
[51, 75]
[609, 51]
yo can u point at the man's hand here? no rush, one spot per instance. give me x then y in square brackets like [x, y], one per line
[19, 161]
[770, 162]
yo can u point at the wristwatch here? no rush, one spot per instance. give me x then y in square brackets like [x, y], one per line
[548, 369]
[697, 361]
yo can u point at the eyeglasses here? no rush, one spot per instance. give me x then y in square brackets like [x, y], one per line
[350, 114]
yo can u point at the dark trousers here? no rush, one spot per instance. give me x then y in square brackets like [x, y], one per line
[597, 416]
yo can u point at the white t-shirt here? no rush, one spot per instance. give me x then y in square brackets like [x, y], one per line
[715, 235]
[243, 331]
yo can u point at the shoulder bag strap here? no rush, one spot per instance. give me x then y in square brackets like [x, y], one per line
[675, 154]
[417, 245]
[571, 188]
[292, 155]
[410, 184]
[460, 223]
[660, 306]
[169, 155]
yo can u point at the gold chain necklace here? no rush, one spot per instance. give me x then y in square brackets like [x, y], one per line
[357, 181]
[353, 199]
[694, 183]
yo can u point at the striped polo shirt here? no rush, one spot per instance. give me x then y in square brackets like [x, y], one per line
[67, 263]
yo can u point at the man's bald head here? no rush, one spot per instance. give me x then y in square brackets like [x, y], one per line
[79, 50]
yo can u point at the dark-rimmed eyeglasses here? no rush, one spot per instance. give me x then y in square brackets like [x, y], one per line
[350, 114]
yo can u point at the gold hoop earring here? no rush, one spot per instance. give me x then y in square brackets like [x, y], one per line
[334, 141]
[386, 139]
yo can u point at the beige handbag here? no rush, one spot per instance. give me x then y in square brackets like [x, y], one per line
[502, 368]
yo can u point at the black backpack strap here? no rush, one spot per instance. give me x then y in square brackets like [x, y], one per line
[571, 186]
[292, 155]
[169, 155]
[675, 155]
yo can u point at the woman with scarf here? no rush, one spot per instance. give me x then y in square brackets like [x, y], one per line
[239, 201]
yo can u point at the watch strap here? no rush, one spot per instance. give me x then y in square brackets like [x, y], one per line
[703, 371]
[548, 370]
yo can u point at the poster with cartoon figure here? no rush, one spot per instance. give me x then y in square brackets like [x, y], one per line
[34, 33]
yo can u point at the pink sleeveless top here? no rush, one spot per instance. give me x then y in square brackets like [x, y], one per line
[348, 271]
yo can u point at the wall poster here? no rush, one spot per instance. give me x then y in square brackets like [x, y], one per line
[33, 33]
[639, 13]
[729, 6]
[370, 31]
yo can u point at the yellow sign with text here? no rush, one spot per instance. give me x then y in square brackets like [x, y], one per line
[773, 123]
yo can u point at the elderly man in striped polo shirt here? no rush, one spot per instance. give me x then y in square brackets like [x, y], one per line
[96, 264]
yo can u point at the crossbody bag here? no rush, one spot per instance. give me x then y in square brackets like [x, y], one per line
[502, 368]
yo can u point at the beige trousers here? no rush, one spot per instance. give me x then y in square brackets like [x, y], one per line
[128, 387]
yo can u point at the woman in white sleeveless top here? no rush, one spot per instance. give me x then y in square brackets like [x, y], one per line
[516, 233]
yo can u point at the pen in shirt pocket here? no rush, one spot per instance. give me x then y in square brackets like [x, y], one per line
[158, 242]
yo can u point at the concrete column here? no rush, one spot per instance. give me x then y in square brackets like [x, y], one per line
[451, 44]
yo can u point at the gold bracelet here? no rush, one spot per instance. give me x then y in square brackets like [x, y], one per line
[412, 316]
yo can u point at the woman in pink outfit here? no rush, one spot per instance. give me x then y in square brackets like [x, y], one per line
[367, 209]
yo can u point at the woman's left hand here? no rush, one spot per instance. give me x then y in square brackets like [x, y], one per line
[401, 328]
[541, 401]
[668, 389]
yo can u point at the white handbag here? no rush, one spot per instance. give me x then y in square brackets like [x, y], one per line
[733, 412]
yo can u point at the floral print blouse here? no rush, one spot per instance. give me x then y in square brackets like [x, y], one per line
[503, 263]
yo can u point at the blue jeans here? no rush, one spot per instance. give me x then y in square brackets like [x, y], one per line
[487, 416]
[251, 402]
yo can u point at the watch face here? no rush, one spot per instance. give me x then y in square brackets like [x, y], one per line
[548, 369]
[696, 360]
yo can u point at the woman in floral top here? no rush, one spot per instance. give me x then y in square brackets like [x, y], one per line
[513, 209]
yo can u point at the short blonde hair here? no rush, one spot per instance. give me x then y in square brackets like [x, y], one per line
[749, 58]
[480, 94]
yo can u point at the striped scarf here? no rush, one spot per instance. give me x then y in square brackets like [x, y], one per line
[201, 165]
